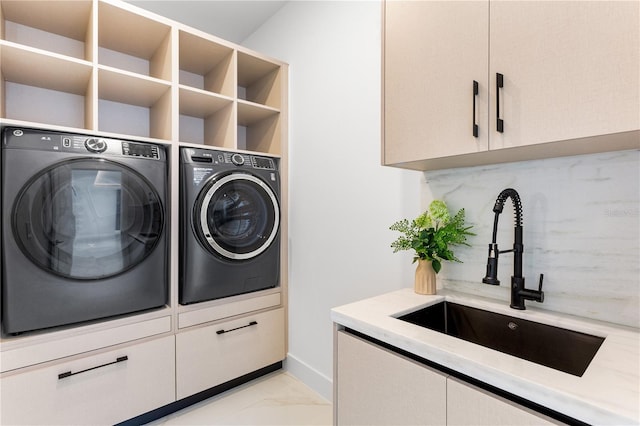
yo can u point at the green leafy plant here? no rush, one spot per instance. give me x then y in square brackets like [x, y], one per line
[432, 233]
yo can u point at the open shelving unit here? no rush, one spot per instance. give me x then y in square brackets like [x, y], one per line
[107, 66]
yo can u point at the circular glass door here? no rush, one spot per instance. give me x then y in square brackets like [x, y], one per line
[238, 216]
[87, 219]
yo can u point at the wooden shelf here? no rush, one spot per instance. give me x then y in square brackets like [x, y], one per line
[250, 113]
[45, 24]
[258, 80]
[39, 68]
[130, 88]
[105, 65]
[206, 65]
[136, 38]
[206, 118]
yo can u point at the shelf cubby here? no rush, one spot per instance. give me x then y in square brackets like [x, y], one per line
[258, 80]
[63, 27]
[44, 87]
[133, 104]
[206, 118]
[134, 43]
[206, 65]
[258, 128]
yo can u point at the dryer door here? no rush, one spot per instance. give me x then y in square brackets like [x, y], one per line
[87, 219]
[237, 216]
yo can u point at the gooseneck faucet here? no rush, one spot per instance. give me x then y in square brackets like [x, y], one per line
[518, 291]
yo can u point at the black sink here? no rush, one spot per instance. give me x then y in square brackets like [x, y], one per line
[565, 350]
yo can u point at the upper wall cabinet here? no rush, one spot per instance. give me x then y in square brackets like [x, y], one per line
[479, 82]
[107, 66]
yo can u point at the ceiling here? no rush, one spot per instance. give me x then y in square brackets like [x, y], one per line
[232, 20]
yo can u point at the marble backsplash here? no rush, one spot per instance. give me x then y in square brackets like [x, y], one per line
[581, 230]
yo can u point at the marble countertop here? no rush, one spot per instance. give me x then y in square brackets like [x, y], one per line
[607, 393]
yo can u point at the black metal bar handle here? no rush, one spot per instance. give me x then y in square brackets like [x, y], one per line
[475, 94]
[69, 373]
[499, 85]
[237, 328]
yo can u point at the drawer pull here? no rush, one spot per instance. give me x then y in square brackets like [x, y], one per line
[69, 373]
[499, 85]
[237, 328]
[475, 95]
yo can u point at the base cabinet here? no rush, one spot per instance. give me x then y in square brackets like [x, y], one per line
[211, 355]
[376, 386]
[106, 388]
[470, 405]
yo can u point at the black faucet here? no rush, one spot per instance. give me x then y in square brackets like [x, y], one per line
[518, 291]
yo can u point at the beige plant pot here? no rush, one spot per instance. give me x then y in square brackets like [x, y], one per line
[425, 278]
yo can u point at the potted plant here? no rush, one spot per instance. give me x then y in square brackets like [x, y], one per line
[430, 235]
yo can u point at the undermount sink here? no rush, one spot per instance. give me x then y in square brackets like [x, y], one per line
[565, 350]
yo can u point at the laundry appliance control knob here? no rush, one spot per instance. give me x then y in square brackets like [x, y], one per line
[95, 145]
[237, 159]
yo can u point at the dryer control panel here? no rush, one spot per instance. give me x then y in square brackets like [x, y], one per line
[44, 140]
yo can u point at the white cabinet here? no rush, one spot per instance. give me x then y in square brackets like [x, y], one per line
[433, 52]
[377, 386]
[469, 405]
[105, 388]
[571, 70]
[570, 78]
[374, 386]
[211, 355]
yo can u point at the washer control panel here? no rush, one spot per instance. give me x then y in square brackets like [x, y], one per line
[237, 159]
[247, 160]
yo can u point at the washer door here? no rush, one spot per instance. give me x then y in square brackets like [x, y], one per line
[87, 219]
[237, 216]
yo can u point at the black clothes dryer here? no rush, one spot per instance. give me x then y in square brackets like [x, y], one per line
[229, 223]
[83, 228]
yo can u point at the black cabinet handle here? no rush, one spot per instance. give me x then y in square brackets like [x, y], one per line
[69, 373]
[499, 85]
[237, 328]
[475, 94]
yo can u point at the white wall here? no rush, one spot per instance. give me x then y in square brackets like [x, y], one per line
[341, 200]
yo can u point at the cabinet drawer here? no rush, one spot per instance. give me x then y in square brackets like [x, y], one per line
[212, 355]
[106, 388]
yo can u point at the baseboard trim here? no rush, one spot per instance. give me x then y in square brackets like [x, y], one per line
[158, 413]
[309, 376]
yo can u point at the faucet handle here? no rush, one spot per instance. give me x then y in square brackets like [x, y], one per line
[540, 292]
[540, 282]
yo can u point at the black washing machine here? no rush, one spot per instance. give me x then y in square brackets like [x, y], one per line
[83, 228]
[229, 223]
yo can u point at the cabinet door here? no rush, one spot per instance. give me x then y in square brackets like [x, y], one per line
[433, 51]
[375, 386]
[571, 69]
[212, 355]
[106, 388]
[468, 405]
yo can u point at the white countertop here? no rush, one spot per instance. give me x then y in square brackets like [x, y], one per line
[607, 393]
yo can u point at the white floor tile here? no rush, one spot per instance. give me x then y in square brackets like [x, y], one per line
[276, 399]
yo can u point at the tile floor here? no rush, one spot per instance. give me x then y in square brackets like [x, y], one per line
[277, 399]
